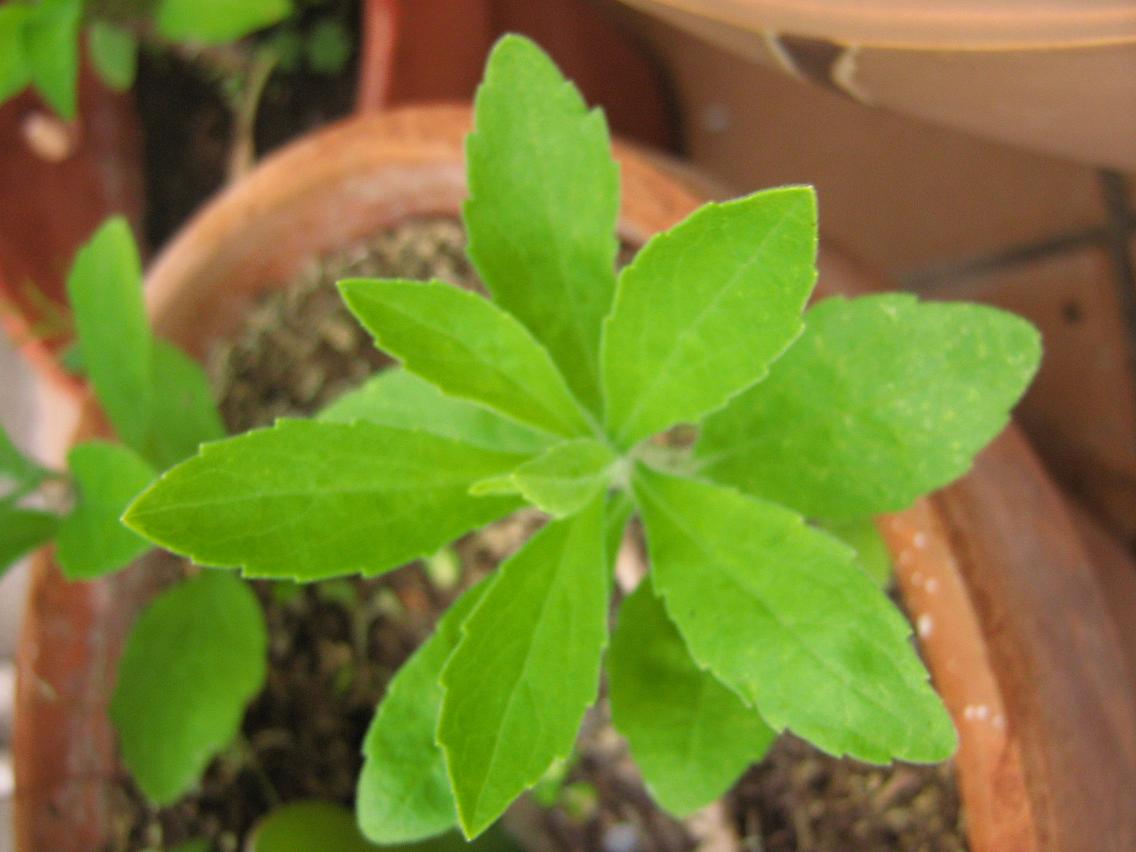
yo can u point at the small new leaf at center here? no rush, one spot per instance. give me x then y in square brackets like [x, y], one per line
[561, 481]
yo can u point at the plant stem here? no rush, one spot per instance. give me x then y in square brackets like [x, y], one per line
[242, 156]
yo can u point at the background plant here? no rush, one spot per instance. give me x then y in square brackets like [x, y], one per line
[197, 654]
[559, 392]
[40, 40]
[41, 43]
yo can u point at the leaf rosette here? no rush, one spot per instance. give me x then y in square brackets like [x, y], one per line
[559, 391]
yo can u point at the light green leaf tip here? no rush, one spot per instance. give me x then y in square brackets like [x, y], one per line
[561, 481]
[544, 199]
[92, 541]
[526, 669]
[192, 662]
[104, 289]
[705, 308]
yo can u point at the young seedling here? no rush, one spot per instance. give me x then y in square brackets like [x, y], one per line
[553, 393]
[197, 654]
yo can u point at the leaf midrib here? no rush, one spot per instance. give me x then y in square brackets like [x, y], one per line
[679, 349]
[521, 391]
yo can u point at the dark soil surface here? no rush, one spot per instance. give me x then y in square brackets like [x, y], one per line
[334, 646]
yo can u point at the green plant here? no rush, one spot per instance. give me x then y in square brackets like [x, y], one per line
[197, 654]
[559, 393]
[40, 39]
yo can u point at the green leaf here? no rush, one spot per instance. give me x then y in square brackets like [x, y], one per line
[328, 47]
[395, 397]
[882, 399]
[217, 21]
[544, 199]
[404, 790]
[105, 291]
[780, 612]
[526, 669]
[192, 662]
[307, 825]
[19, 475]
[22, 531]
[114, 53]
[312, 500]
[689, 734]
[15, 68]
[705, 308]
[183, 415]
[562, 481]
[157, 398]
[863, 536]
[51, 46]
[469, 348]
[92, 541]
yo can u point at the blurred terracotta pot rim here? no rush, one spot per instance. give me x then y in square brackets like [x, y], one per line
[948, 25]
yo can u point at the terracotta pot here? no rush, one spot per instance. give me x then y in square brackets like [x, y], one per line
[1010, 618]
[1050, 75]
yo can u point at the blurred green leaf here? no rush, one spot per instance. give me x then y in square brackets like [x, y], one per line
[307, 826]
[218, 21]
[15, 67]
[22, 531]
[328, 47]
[92, 541]
[51, 46]
[114, 53]
[194, 659]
